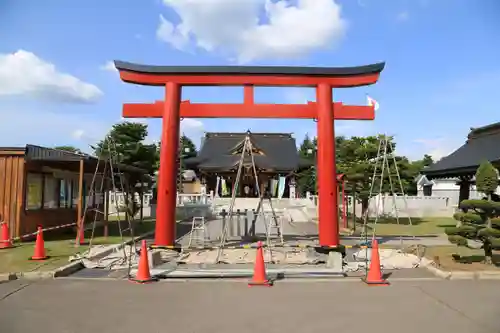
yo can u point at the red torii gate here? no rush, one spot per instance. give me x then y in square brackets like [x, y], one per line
[172, 109]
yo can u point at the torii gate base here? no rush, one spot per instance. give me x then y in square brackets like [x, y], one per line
[324, 110]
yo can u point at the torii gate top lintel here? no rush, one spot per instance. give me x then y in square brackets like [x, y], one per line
[249, 75]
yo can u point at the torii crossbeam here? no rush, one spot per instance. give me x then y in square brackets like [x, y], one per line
[324, 110]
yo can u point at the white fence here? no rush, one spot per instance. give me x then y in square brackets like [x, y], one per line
[117, 202]
[413, 206]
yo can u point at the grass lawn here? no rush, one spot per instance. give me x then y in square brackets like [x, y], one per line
[59, 248]
[468, 259]
[417, 227]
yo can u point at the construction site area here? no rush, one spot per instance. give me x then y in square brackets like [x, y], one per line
[225, 240]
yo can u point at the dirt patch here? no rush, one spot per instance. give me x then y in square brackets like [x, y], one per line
[456, 258]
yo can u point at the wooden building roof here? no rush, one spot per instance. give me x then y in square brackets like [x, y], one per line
[272, 151]
[44, 154]
[483, 143]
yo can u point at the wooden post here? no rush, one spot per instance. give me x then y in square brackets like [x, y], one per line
[106, 205]
[79, 208]
[141, 198]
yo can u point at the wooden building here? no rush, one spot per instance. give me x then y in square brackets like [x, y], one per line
[482, 144]
[50, 187]
[275, 155]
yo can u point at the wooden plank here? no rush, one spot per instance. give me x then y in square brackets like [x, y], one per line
[79, 203]
[12, 152]
[3, 177]
[13, 195]
[21, 180]
[8, 188]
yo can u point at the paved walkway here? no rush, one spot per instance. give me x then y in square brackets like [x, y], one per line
[55, 306]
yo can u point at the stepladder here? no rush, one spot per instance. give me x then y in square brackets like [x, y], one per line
[199, 233]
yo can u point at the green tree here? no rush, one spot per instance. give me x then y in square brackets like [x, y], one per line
[187, 149]
[427, 160]
[487, 179]
[126, 141]
[357, 158]
[70, 149]
[306, 179]
[479, 219]
[125, 144]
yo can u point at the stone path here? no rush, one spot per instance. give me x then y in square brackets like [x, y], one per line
[81, 306]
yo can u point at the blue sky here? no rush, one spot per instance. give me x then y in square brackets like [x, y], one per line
[442, 74]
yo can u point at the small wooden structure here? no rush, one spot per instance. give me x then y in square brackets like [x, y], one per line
[50, 187]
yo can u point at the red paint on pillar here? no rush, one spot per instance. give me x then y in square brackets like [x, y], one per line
[327, 174]
[167, 176]
[344, 204]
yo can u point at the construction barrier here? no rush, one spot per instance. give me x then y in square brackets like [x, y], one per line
[34, 234]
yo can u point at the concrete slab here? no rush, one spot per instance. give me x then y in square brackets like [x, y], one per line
[120, 306]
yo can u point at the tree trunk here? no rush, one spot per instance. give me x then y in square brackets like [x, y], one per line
[488, 252]
[364, 206]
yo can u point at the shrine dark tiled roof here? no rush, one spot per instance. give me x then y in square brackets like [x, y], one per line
[482, 143]
[218, 152]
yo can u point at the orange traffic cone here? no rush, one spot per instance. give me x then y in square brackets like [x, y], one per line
[39, 246]
[259, 270]
[5, 241]
[143, 275]
[374, 276]
[80, 236]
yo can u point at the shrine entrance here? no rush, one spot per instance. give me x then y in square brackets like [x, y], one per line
[324, 111]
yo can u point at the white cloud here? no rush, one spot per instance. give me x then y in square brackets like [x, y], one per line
[78, 134]
[23, 73]
[436, 147]
[403, 16]
[49, 128]
[234, 27]
[190, 124]
[109, 66]
[194, 129]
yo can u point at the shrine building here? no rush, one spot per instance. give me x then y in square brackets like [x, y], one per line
[275, 157]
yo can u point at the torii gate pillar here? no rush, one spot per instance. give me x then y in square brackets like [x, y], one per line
[324, 110]
[327, 170]
[167, 175]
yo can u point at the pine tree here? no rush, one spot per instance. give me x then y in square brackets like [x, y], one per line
[480, 219]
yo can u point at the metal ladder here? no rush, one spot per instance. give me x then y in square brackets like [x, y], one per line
[199, 231]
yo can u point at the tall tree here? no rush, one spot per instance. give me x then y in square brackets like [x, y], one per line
[357, 158]
[480, 219]
[125, 144]
[187, 147]
[126, 141]
[306, 179]
[354, 157]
